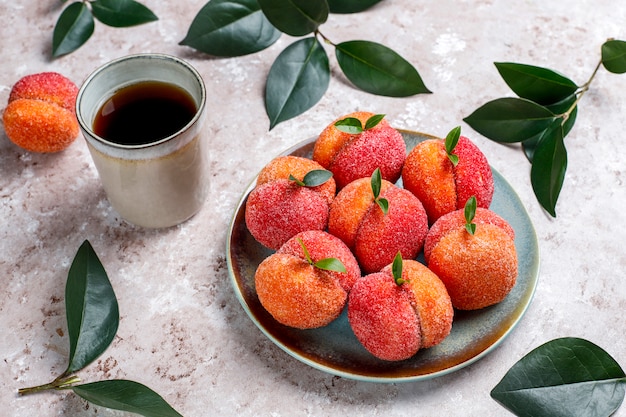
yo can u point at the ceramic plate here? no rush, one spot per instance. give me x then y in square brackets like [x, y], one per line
[336, 350]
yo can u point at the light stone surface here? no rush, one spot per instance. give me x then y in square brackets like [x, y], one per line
[182, 331]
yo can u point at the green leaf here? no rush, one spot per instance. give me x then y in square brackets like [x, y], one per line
[614, 56]
[91, 308]
[298, 79]
[470, 213]
[130, 396]
[317, 177]
[530, 145]
[450, 143]
[376, 182]
[295, 17]
[122, 13]
[383, 203]
[331, 264]
[307, 256]
[537, 84]
[548, 168]
[373, 121]
[378, 70]
[230, 28]
[73, 28]
[350, 6]
[510, 119]
[396, 269]
[567, 377]
[350, 125]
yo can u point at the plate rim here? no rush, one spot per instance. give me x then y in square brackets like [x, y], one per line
[529, 294]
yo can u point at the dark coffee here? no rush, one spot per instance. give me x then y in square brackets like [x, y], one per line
[143, 113]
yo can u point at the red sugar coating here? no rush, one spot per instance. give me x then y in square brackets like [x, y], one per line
[350, 157]
[429, 174]
[383, 318]
[478, 270]
[456, 220]
[39, 126]
[381, 236]
[284, 166]
[472, 174]
[322, 245]
[432, 301]
[350, 206]
[296, 293]
[381, 147]
[278, 210]
[47, 86]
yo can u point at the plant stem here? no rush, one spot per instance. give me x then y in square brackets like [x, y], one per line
[58, 384]
[583, 89]
[328, 41]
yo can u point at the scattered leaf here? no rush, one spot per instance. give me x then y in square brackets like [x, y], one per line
[510, 119]
[567, 377]
[295, 17]
[541, 85]
[122, 13]
[375, 68]
[230, 28]
[297, 80]
[73, 28]
[614, 56]
[91, 309]
[130, 396]
[548, 168]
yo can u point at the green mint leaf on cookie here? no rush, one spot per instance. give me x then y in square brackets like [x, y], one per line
[313, 178]
[451, 140]
[396, 269]
[470, 213]
[376, 182]
[373, 121]
[350, 125]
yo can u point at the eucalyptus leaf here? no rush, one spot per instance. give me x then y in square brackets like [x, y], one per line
[230, 28]
[548, 168]
[350, 125]
[73, 28]
[614, 56]
[331, 264]
[375, 68]
[510, 119]
[350, 6]
[295, 17]
[122, 13]
[541, 85]
[130, 396]
[297, 80]
[91, 308]
[567, 377]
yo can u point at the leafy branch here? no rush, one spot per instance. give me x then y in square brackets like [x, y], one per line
[76, 23]
[92, 321]
[564, 377]
[541, 117]
[300, 75]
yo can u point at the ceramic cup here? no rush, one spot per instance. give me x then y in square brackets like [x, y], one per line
[157, 184]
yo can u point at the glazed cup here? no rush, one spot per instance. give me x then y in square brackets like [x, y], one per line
[161, 183]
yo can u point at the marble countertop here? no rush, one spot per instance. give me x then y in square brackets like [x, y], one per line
[182, 330]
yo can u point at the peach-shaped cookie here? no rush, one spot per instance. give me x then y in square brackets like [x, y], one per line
[292, 195]
[298, 289]
[375, 233]
[477, 262]
[444, 174]
[350, 156]
[400, 310]
[40, 115]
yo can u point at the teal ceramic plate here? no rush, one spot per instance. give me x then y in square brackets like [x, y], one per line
[335, 349]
